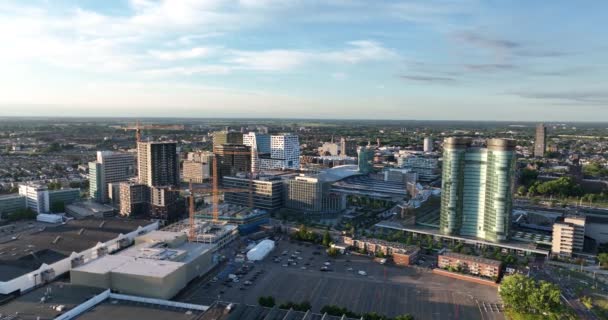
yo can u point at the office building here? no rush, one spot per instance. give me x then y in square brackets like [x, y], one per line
[366, 160]
[109, 167]
[266, 192]
[284, 153]
[227, 137]
[232, 159]
[165, 203]
[260, 148]
[158, 164]
[312, 195]
[540, 140]
[64, 196]
[11, 203]
[477, 266]
[477, 186]
[428, 144]
[36, 197]
[426, 167]
[568, 236]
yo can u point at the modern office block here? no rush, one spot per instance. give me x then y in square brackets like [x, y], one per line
[477, 186]
[227, 137]
[428, 144]
[366, 160]
[36, 197]
[312, 195]
[266, 193]
[11, 203]
[109, 167]
[232, 159]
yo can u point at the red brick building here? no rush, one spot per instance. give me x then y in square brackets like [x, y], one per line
[402, 254]
[474, 265]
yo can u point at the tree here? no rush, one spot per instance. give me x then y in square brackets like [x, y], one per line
[404, 317]
[522, 190]
[514, 292]
[266, 301]
[603, 258]
[524, 295]
[22, 214]
[545, 298]
[326, 238]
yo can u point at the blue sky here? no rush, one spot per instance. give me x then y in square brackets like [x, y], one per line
[446, 59]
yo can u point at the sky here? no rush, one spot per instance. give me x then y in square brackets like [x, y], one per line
[338, 59]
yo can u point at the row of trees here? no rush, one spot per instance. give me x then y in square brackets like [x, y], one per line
[332, 310]
[524, 295]
[22, 214]
[562, 187]
[303, 234]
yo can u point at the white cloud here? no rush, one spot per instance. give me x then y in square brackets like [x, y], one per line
[197, 52]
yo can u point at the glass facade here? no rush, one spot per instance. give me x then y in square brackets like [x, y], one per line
[476, 189]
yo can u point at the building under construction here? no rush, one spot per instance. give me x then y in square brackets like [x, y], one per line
[246, 219]
[217, 234]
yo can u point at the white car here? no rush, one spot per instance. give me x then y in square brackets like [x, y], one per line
[363, 273]
[327, 264]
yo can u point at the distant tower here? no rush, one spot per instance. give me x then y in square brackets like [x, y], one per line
[428, 144]
[540, 141]
[378, 142]
[366, 160]
[158, 164]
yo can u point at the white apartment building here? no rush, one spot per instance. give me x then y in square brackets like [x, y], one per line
[568, 236]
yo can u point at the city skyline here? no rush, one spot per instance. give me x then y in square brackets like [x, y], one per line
[439, 60]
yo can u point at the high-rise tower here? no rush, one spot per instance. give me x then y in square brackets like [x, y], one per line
[540, 140]
[477, 186]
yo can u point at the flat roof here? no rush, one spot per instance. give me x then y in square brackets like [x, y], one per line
[148, 267]
[127, 310]
[10, 196]
[514, 245]
[51, 243]
[467, 257]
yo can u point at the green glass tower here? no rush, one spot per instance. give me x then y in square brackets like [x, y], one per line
[477, 186]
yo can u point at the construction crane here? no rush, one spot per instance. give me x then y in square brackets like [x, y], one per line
[138, 127]
[215, 191]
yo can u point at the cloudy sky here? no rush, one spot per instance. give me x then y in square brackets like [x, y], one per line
[445, 59]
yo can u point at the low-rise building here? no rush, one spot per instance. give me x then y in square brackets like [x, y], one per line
[403, 255]
[474, 265]
[11, 203]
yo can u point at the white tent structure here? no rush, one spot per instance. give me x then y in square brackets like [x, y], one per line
[260, 251]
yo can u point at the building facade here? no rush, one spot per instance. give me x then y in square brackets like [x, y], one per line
[36, 197]
[427, 168]
[134, 199]
[266, 193]
[568, 236]
[227, 137]
[540, 140]
[195, 171]
[312, 195]
[10, 204]
[109, 167]
[366, 160]
[477, 186]
[232, 159]
[158, 164]
[428, 144]
[470, 264]
[284, 152]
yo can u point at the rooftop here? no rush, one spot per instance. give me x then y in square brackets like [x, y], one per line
[26, 251]
[467, 257]
[128, 310]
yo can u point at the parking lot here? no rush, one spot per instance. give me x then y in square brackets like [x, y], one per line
[293, 272]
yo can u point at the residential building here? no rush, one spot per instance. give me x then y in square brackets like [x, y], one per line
[568, 236]
[195, 171]
[540, 140]
[36, 197]
[474, 265]
[428, 144]
[11, 203]
[158, 164]
[232, 159]
[227, 137]
[165, 203]
[366, 160]
[477, 186]
[266, 192]
[403, 255]
[109, 167]
[134, 199]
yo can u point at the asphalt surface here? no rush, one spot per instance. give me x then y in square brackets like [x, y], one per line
[384, 289]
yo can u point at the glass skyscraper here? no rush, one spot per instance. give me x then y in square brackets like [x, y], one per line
[477, 186]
